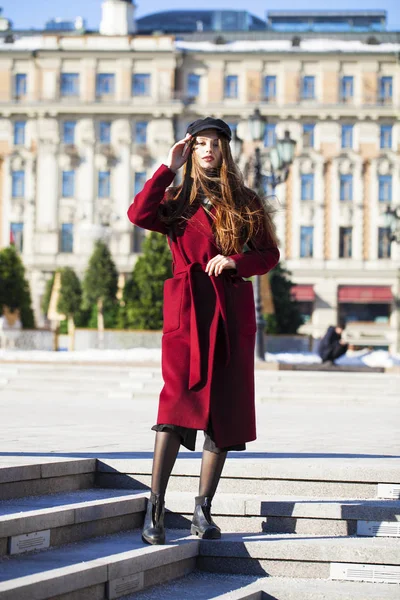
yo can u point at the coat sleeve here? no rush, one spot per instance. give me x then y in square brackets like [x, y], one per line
[262, 256]
[144, 210]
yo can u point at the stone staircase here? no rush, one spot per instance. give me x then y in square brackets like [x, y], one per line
[68, 530]
[294, 527]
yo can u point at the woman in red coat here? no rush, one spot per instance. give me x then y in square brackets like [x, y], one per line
[209, 315]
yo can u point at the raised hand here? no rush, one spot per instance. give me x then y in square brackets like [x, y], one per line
[179, 153]
[218, 263]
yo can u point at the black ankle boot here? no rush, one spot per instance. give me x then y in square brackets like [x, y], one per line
[202, 524]
[153, 528]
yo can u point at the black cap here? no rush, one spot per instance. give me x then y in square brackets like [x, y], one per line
[209, 123]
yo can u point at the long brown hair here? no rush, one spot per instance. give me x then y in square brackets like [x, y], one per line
[239, 216]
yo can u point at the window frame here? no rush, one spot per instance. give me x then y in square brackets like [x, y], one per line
[342, 241]
[230, 81]
[344, 94]
[381, 241]
[385, 81]
[269, 131]
[141, 141]
[139, 177]
[66, 124]
[21, 79]
[346, 187]
[307, 181]
[103, 81]
[17, 133]
[68, 183]
[70, 89]
[67, 248]
[105, 127]
[306, 82]
[304, 238]
[269, 80]
[195, 83]
[347, 130]
[15, 232]
[385, 188]
[104, 179]
[18, 183]
[385, 130]
[145, 84]
[308, 134]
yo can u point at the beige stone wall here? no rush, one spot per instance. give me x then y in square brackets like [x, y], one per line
[292, 87]
[5, 85]
[369, 88]
[369, 150]
[330, 87]
[253, 86]
[215, 84]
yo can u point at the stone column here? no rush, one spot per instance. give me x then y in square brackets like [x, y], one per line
[29, 212]
[86, 186]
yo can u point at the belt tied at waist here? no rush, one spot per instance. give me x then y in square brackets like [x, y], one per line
[195, 353]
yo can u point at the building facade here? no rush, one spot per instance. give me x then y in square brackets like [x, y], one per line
[86, 117]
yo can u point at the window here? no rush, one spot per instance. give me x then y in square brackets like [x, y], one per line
[68, 184]
[19, 133]
[138, 237]
[308, 87]
[141, 132]
[141, 84]
[105, 132]
[270, 135]
[385, 188]
[386, 137]
[231, 86]
[368, 313]
[69, 84]
[67, 237]
[140, 180]
[345, 242]
[18, 184]
[346, 88]
[68, 132]
[17, 235]
[193, 85]
[385, 89]
[346, 188]
[308, 135]
[21, 85]
[307, 187]
[306, 242]
[270, 88]
[384, 243]
[105, 84]
[104, 184]
[347, 136]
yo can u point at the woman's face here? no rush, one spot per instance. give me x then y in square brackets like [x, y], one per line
[207, 150]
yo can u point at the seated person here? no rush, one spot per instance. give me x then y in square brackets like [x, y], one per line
[331, 345]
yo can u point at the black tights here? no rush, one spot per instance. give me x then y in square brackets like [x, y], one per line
[165, 452]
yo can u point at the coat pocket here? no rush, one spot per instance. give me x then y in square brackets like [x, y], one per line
[173, 293]
[244, 308]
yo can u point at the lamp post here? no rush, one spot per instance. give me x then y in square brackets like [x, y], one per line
[392, 223]
[281, 157]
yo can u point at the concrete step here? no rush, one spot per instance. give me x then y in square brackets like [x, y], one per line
[42, 521]
[263, 476]
[291, 555]
[203, 586]
[46, 477]
[240, 512]
[106, 567]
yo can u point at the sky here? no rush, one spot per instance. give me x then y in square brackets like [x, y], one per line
[34, 13]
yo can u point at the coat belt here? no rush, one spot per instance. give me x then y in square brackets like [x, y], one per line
[195, 351]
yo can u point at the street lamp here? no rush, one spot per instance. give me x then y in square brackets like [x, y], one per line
[281, 157]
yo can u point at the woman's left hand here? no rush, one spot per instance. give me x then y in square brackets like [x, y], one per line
[218, 263]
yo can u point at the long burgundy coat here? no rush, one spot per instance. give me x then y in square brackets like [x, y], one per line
[209, 323]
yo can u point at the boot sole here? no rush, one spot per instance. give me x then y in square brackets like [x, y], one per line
[208, 534]
[153, 542]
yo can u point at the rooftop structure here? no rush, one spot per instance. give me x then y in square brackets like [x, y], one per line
[186, 21]
[326, 20]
